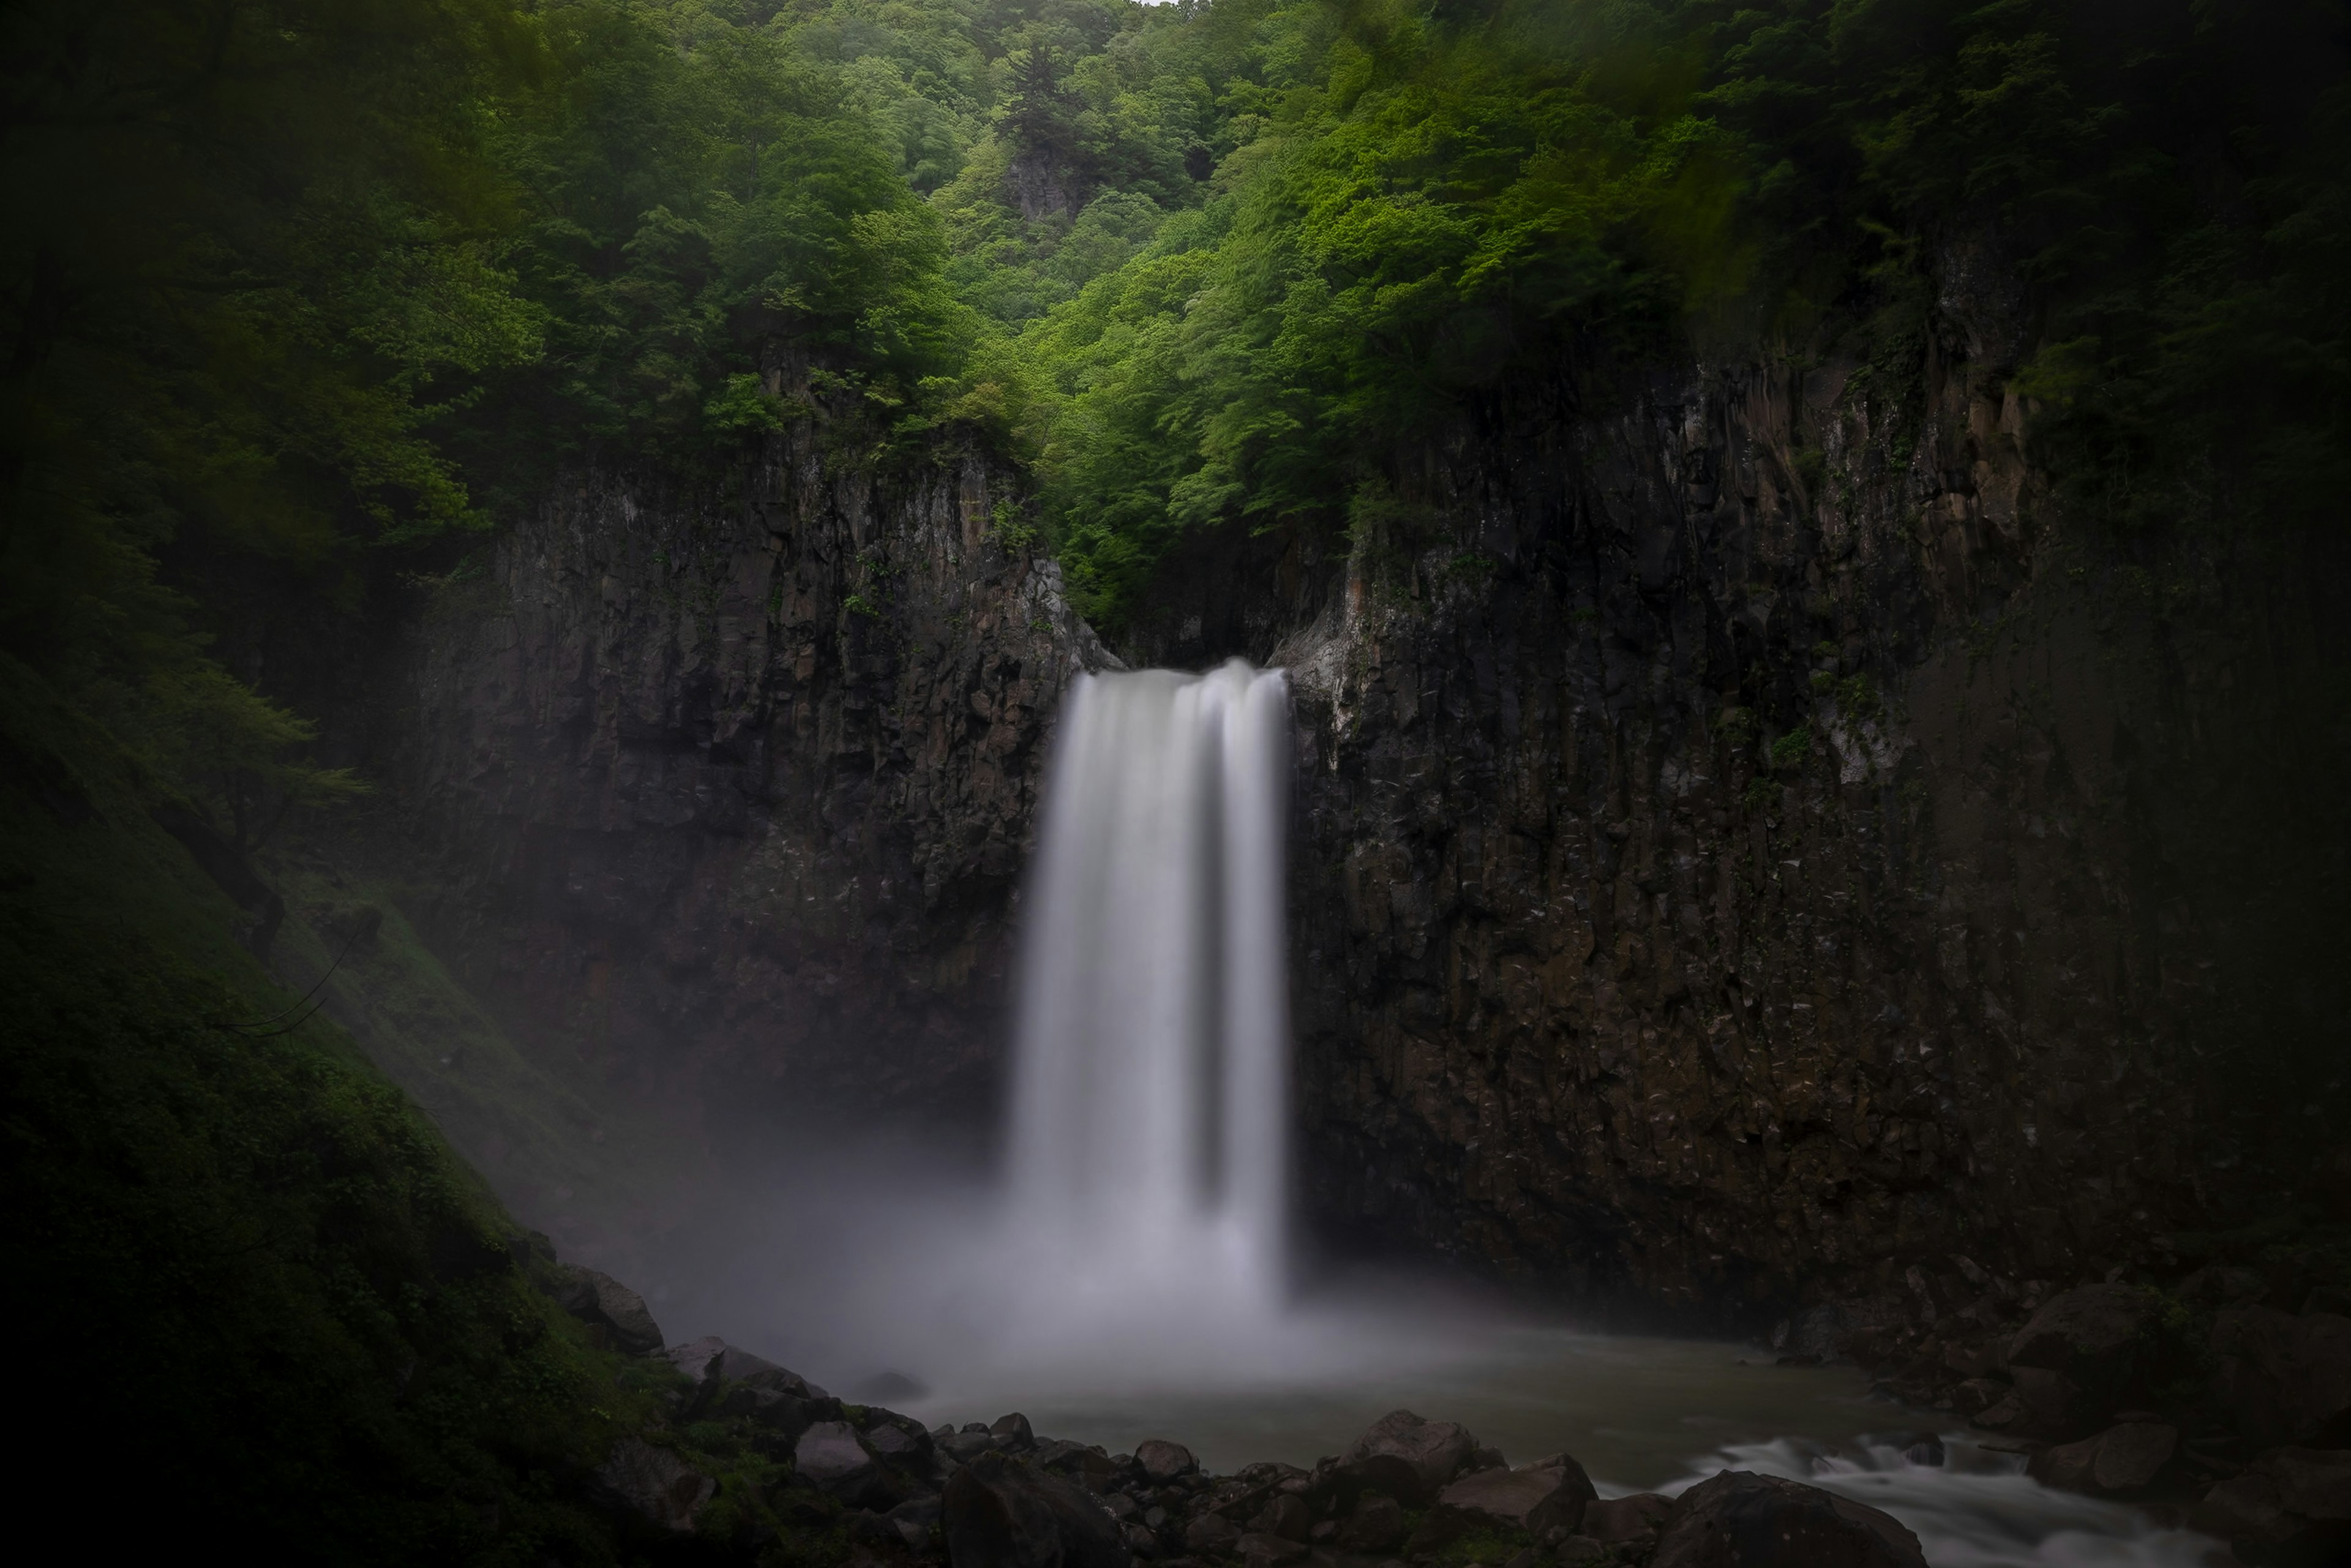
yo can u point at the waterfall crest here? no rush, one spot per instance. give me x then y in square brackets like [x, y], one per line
[1151, 1082]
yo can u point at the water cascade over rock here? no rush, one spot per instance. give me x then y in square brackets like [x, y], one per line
[1150, 1141]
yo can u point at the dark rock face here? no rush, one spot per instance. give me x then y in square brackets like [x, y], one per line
[614, 1312]
[1410, 1460]
[1739, 1519]
[1740, 852]
[736, 782]
[2118, 1461]
[1698, 890]
[654, 1484]
[2284, 1379]
[999, 1514]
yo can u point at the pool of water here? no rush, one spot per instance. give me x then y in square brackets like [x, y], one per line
[1641, 1415]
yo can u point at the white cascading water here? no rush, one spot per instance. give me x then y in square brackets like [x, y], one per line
[1151, 1082]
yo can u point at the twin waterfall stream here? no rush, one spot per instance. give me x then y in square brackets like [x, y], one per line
[1136, 1280]
[1151, 1088]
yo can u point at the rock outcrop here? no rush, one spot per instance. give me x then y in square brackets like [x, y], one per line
[1739, 1519]
[735, 780]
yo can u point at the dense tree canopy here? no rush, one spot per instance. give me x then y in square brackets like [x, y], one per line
[320, 283]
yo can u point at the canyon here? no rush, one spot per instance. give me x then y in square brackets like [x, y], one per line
[1751, 850]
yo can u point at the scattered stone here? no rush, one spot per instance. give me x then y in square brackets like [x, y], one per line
[1634, 1518]
[2286, 1379]
[966, 1445]
[2077, 1354]
[1533, 1497]
[1255, 1547]
[829, 1455]
[2292, 1505]
[999, 1514]
[615, 1316]
[1740, 1520]
[1408, 1458]
[2118, 1460]
[655, 1484]
[1211, 1534]
[1163, 1462]
[1286, 1516]
[1377, 1525]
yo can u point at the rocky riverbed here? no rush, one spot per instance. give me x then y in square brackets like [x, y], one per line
[2241, 1438]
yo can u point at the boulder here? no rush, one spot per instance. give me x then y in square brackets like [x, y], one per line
[1532, 1498]
[615, 1316]
[1583, 1551]
[1739, 1519]
[829, 1458]
[2286, 1379]
[1163, 1461]
[2117, 1461]
[1012, 1432]
[1377, 1526]
[1409, 1458]
[1211, 1535]
[1619, 1519]
[1286, 1516]
[999, 1514]
[1257, 1547]
[2291, 1506]
[2076, 1357]
[654, 1484]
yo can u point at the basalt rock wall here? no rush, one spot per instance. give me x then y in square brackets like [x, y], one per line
[1749, 844]
[1750, 848]
[733, 781]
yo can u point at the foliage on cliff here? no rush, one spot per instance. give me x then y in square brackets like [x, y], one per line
[257, 1287]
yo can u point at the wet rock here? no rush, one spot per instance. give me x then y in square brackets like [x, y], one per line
[1012, 1432]
[1211, 1535]
[966, 1445]
[1000, 1513]
[1255, 1547]
[2077, 1356]
[616, 1315]
[1408, 1458]
[1377, 1524]
[2118, 1461]
[2291, 1506]
[2220, 1285]
[1978, 1395]
[1739, 1519]
[1533, 1497]
[1163, 1461]
[654, 1484]
[2284, 1379]
[1621, 1519]
[1286, 1516]
[830, 1457]
[1583, 1551]
[1088, 1466]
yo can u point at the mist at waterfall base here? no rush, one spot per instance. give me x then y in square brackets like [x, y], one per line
[1123, 1268]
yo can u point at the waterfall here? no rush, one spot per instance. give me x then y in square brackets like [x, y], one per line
[1151, 1083]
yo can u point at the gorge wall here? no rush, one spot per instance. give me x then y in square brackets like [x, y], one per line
[1747, 847]
[733, 782]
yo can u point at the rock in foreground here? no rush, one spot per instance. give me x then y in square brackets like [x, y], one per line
[1740, 1520]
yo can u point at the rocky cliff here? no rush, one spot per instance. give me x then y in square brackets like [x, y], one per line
[1749, 844]
[737, 777]
[1750, 847]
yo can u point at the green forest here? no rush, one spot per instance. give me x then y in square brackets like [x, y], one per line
[301, 301]
[328, 286]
